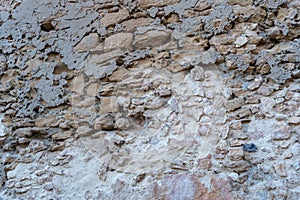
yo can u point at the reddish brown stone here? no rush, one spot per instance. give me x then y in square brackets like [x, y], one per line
[182, 186]
[205, 163]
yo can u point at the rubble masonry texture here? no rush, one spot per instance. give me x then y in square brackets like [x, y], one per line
[150, 99]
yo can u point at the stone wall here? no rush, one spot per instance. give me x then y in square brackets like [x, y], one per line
[150, 99]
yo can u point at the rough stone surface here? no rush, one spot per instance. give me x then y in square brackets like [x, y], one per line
[113, 18]
[151, 39]
[119, 41]
[87, 43]
[149, 99]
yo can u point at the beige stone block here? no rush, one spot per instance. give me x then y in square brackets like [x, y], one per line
[236, 153]
[113, 18]
[92, 89]
[132, 24]
[96, 59]
[77, 84]
[87, 43]
[234, 104]
[150, 3]
[49, 121]
[109, 105]
[152, 38]
[63, 136]
[121, 41]
[105, 122]
[84, 131]
[87, 102]
[119, 75]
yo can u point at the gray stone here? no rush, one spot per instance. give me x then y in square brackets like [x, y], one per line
[197, 73]
[234, 104]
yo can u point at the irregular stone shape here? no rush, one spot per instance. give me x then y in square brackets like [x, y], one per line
[151, 39]
[95, 59]
[165, 92]
[205, 163]
[265, 91]
[106, 90]
[235, 153]
[241, 41]
[294, 120]
[181, 186]
[154, 103]
[105, 122]
[113, 18]
[149, 3]
[255, 84]
[119, 41]
[123, 124]
[195, 43]
[49, 121]
[176, 67]
[240, 2]
[179, 164]
[86, 102]
[281, 131]
[197, 73]
[221, 40]
[59, 147]
[207, 57]
[234, 104]
[87, 43]
[296, 74]
[249, 147]
[96, 64]
[84, 131]
[203, 129]
[241, 113]
[29, 131]
[219, 152]
[240, 166]
[221, 189]
[132, 24]
[280, 169]
[63, 135]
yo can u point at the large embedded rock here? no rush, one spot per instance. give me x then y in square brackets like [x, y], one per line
[150, 3]
[152, 38]
[113, 18]
[105, 122]
[133, 24]
[234, 104]
[87, 43]
[121, 41]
